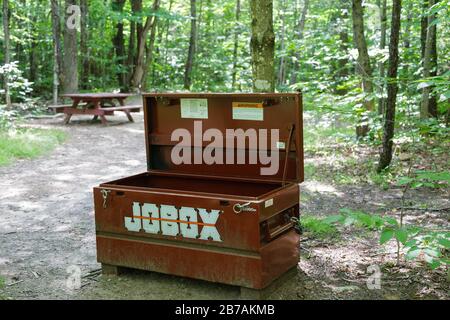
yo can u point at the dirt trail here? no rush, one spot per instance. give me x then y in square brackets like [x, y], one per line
[47, 228]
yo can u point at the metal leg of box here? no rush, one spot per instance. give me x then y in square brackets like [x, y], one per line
[108, 269]
[245, 293]
[261, 294]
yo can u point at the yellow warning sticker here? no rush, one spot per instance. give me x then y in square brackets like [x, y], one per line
[247, 105]
[253, 111]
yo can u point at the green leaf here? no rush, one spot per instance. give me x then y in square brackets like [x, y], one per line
[429, 184]
[391, 221]
[445, 96]
[411, 243]
[434, 264]
[416, 184]
[378, 222]
[432, 252]
[365, 219]
[404, 180]
[444, 242]
[433, 176]
[386, 235]
[401, 235]
[413, 253]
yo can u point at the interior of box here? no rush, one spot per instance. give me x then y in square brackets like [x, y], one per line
[212, 185]
[277, 127]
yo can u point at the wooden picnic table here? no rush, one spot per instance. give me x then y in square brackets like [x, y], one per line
[97, 104]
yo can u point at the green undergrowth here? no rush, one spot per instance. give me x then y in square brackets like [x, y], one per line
[28, 143]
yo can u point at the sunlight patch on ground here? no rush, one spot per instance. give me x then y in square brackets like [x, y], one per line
[62, 228]
[315, 186]
[88, 177]
[27, 206]
[8, 191]
[64, 177]
[57, 184]
[117, 172]
[132, 162]
[133, 130]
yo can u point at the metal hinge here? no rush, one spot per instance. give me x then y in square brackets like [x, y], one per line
[105, 194]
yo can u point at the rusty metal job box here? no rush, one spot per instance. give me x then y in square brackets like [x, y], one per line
[218, 222]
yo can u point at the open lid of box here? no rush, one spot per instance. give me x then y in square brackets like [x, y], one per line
[180, 127]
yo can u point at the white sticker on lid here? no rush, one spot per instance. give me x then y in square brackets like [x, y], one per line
[194, 108]
[268, 203]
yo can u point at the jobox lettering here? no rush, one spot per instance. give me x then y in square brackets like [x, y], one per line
[194, 223]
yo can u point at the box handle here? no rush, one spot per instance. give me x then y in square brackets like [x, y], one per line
[238, 208]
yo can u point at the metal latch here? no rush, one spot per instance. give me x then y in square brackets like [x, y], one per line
[238, 208]
[105, 194]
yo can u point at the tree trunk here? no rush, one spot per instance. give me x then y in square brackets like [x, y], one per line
[192, 47]
[429, 100]
[236, 43]
[363, 64]
[433, 102]
[134, 39]
[7, 50]
[136, 6]
[131, 50]
[139, 28]
[20, 49]
[299, 34]
[408, 12]
[200, 14]
[57, 55]
[149, 53]
[33, 59]
[131, 46]
[162, 49]
[340, 25]
[70, 59]
[409, 21]
[423, 30]
[383, 26]
[282, 66]
[166, 40]
[119, 46]
[392, 88]
[84, 45]
[32, 50]
[262, 45]
[141, 64]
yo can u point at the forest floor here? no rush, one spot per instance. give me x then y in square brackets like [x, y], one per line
[47, 225]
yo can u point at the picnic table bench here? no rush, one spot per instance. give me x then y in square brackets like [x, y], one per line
[96, 104]
[60, 107]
